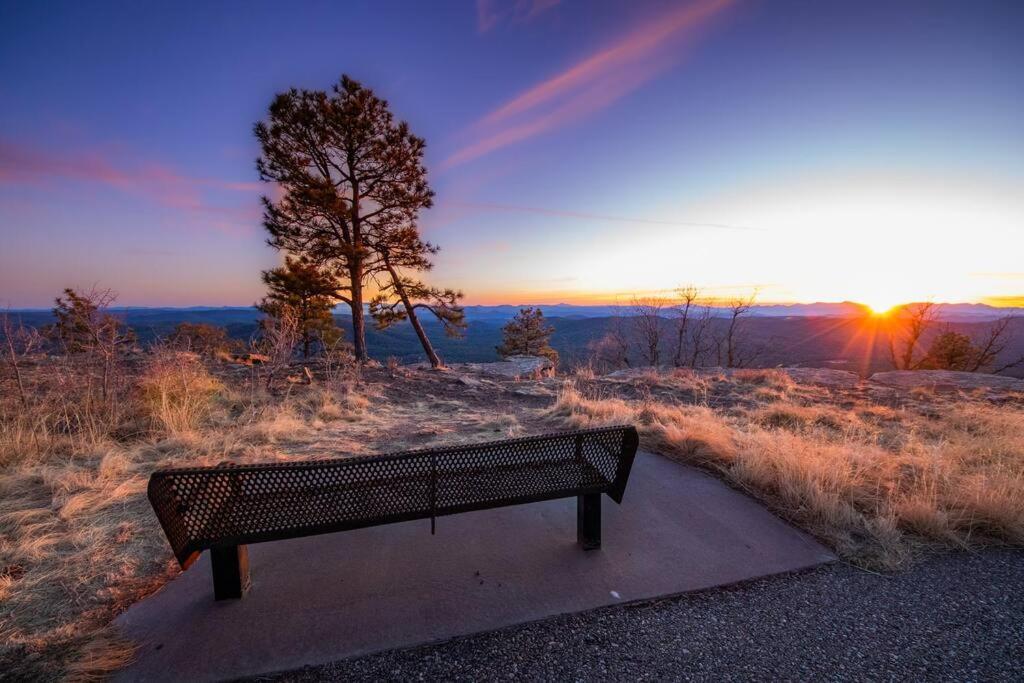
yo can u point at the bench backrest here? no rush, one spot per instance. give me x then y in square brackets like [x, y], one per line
[203, 507]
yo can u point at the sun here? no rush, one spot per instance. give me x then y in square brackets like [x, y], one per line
[881, 306]
[882, 299]
[879, 309]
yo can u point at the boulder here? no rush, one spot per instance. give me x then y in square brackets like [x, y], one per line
[513, 367]
[945, 380]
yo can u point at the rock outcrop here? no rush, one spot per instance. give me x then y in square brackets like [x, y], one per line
[945, 380]
[513, 367]
[823, 376]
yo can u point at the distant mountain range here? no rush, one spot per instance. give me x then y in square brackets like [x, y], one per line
[814, 335]
[845, 309]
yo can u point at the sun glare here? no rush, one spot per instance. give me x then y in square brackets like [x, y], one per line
[880, 307]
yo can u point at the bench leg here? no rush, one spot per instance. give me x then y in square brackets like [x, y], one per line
[588, 520]
[230, 571]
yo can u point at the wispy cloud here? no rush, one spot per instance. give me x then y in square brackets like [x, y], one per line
[159, 183]
[589, 216]
[591, 84]
[490, 13]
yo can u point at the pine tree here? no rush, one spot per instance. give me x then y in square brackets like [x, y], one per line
[83, 323]
[528, 335]
[309, 295]
[348, 171]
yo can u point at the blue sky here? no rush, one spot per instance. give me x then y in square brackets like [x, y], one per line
[580, 150]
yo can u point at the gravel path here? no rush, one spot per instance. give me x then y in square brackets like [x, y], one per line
[954, 617]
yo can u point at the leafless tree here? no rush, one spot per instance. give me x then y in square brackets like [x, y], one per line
[686, 301]
[699, 334]
[734, 356]
[647, 320]
[611, 350]
[909, 323]
[19, 341]
[994, 343]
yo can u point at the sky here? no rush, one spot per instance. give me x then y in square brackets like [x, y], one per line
[582, 151]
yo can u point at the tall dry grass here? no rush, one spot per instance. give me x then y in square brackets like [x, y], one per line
[78, 540]
[177, 392]
[877, 484]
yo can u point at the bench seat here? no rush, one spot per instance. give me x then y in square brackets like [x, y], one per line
[231, 505]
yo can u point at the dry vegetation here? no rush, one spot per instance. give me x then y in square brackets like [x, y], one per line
[78, 540]
[877, 477]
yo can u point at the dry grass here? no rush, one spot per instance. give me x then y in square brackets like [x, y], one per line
[178, 392]
[877, 484]
[78, 541]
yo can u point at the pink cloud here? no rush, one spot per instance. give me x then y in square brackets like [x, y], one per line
[490, 13]
[159, 183]
[591, 84]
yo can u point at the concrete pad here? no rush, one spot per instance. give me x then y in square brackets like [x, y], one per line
[325, 598]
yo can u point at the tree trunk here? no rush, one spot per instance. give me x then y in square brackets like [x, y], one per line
[428, 348]
[358, 324]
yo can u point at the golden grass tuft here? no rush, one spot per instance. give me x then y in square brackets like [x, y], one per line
[177, 391]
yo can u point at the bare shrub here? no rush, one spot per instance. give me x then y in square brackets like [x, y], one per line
[278, 337]
[649, 323]
[770, 377]
[737, 352]
[584, 371]
[339, 366]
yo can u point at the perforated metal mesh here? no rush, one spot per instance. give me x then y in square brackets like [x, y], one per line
[235, 504]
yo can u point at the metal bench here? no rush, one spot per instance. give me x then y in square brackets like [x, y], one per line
[224, 508]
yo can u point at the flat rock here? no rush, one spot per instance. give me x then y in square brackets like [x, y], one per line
[824, 376]
[945, 380]
[512, 367]
[640, 372]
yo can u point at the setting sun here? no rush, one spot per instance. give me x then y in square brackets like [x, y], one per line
[882, 306]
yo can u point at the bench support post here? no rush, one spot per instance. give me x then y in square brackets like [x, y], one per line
[588, 520]
[230, 571]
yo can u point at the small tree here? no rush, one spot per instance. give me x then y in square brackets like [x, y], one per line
[528, 335]
[85, 327]
[647, 319]
[907, 326]
[699, 334]
[309, 295]
[735, 357]
[685, 304]
[84, 324]
[950, 351]
[202, 338]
